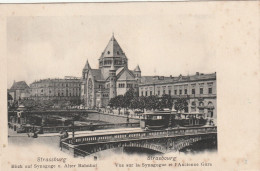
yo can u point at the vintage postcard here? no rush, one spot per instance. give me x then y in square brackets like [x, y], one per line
[130, 86]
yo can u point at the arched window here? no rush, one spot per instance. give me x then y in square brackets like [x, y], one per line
[210, 105]
[193, 106]
[201, 107]
[210, 109]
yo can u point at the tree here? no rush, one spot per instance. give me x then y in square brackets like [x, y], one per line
[124, 101]
[142, 103]
[128, 97]
[63, 104]
[166, 101]
[152, 102]
[47, 104]
[111, 103]
[14, 106]
[117, 102]
[30, 104]
[134, 104]
[181, 104]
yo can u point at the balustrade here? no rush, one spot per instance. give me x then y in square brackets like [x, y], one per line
[142, 135]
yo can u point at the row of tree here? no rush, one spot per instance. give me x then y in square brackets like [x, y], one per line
[132, 101]
[31, 104]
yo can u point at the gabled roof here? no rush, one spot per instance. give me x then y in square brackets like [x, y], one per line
[20, 85]
[113, 49]
[126, 75]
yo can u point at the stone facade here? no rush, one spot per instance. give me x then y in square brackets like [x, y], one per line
[60, 89]
[199, 89]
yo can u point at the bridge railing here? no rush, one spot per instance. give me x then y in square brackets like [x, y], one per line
[56, 129]
[140, 135]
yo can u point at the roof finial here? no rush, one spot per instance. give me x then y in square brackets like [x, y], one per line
[112, 36]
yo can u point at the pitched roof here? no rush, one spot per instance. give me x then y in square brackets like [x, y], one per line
[147, 79]
[119, 70]
[126, 75]
[87, 66]
[97, 74]
[137, 69]
[19, 85]
[161, 80]
[113, 49]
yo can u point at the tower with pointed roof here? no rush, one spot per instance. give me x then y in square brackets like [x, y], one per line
[112, 78]
[137, 72]
[113, 53]
[85, 70]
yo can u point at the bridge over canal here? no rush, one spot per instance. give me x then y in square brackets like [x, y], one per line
[163, 141]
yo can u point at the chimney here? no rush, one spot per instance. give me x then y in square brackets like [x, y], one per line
[170, 76]
[197, 73]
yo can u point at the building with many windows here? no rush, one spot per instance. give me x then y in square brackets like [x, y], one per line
[199, 89]
[113, 77]
[60, 89]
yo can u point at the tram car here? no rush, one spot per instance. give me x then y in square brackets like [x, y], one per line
[155, 120]
[190, 119]
[167, 119]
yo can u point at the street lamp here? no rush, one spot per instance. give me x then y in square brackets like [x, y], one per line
[73, 126]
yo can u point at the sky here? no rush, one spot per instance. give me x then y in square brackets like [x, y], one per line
[161, 42]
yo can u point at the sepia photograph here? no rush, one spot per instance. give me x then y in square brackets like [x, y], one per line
[116, 82]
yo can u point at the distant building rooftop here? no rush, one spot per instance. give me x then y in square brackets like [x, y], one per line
[58, 79]
[20, 85]
[147, 80]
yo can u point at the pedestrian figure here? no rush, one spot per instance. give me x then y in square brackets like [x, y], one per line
[35, 134]
[66, 135]
[30, 133]
[63, 134]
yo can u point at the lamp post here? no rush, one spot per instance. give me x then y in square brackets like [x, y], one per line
[73, 127]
